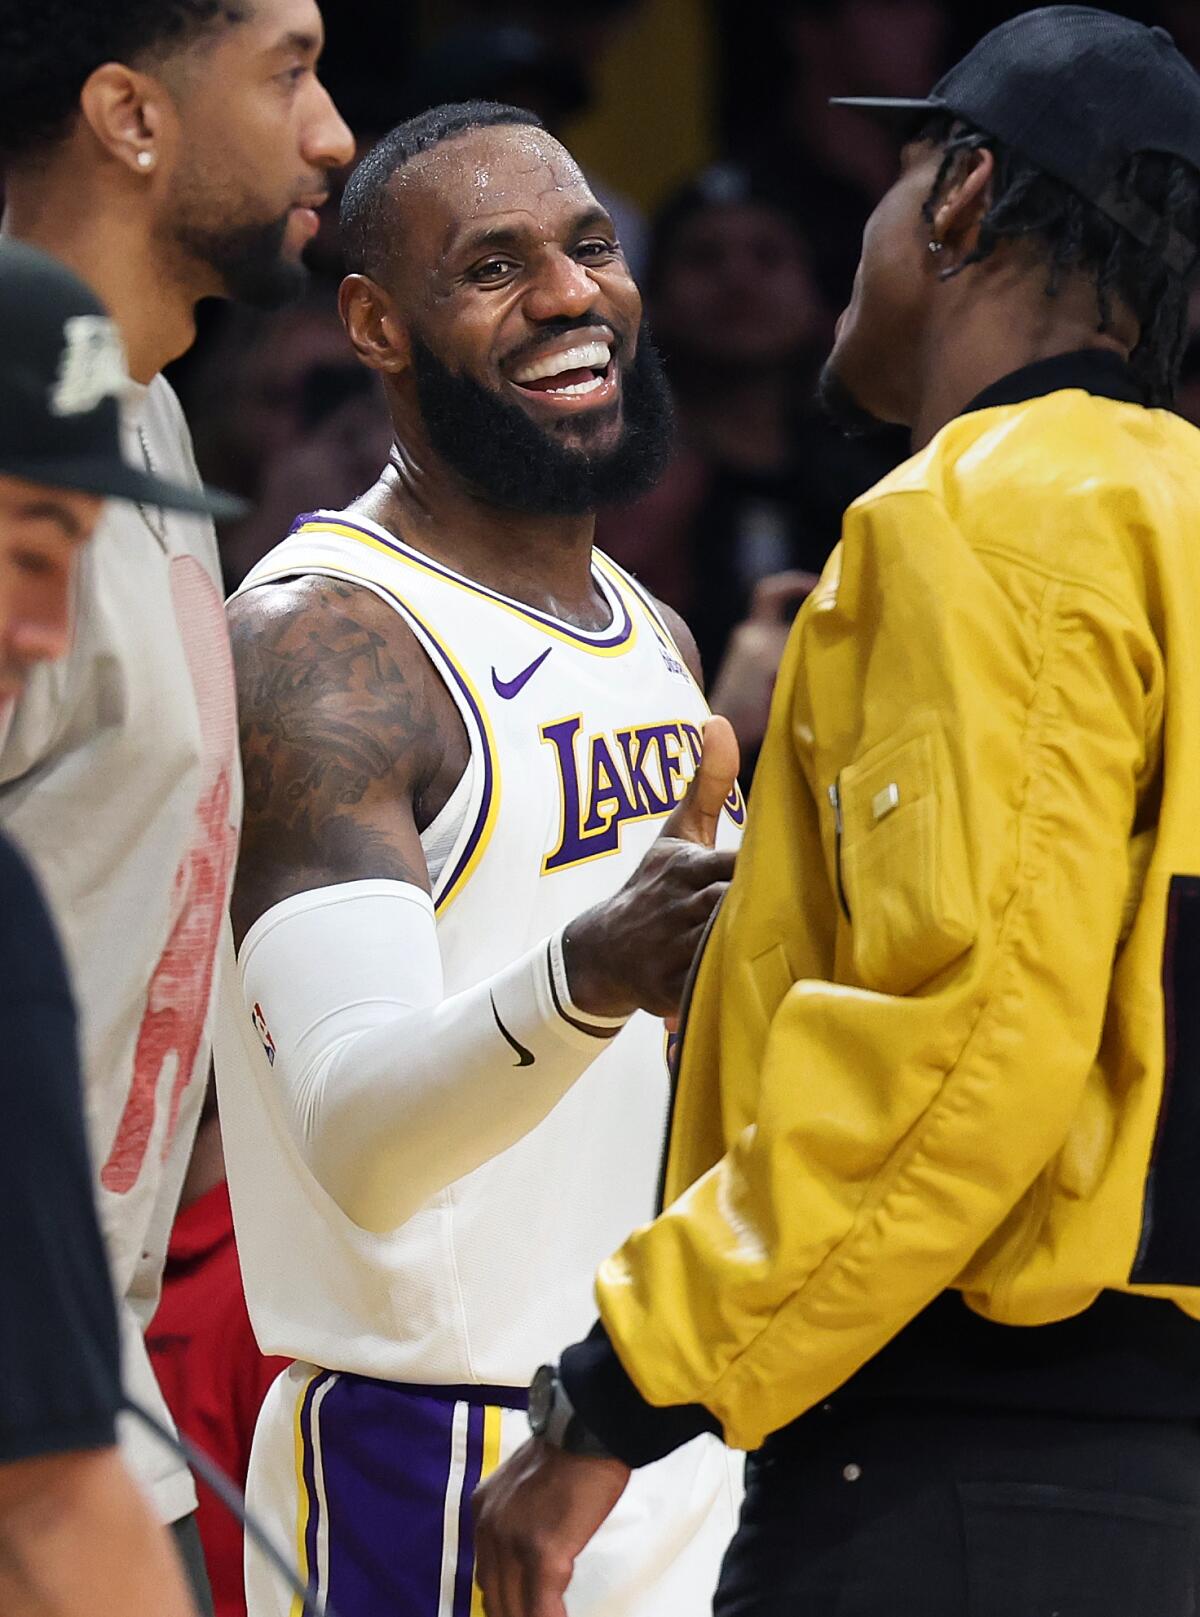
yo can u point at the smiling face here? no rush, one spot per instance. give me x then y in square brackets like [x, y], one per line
[42, 534]
[257, 136]
[511, 327]
[514, 277]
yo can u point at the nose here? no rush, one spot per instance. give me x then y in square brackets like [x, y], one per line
[562, 289]
[329, 143]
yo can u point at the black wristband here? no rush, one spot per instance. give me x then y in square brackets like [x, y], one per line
[610, 1406]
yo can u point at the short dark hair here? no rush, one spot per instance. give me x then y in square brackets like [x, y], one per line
[1070, 234]
[365, 241]
[50, 48]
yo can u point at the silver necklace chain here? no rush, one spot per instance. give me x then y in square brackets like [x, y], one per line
[159, 528]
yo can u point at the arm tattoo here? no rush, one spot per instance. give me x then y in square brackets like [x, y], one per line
[335, 735]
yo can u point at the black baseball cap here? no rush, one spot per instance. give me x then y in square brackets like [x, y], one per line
[1077, 92]
[62, 376]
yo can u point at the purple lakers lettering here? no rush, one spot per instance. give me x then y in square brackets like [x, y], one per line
[607, 781]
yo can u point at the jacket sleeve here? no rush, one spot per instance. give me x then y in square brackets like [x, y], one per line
[988, 721]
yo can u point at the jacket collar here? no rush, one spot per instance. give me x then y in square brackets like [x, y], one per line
[1092, 370]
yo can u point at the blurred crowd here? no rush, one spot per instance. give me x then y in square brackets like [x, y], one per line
[745, 266]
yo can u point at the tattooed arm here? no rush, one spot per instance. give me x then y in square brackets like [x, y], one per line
[350, 742]
[392, 1087]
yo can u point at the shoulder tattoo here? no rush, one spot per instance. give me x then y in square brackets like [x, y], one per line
[333, 728]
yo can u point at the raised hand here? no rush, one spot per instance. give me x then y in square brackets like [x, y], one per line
[635, 949]
[746, 678]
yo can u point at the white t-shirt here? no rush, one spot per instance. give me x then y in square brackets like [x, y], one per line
[120, 778]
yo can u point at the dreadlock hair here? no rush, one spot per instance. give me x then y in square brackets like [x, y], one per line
[1072, 235]
[50, 48]
[366, 237]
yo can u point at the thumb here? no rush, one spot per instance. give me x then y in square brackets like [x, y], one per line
[695, 817]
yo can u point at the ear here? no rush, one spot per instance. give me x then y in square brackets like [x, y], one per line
[377, 335]
[130, 114]
[965, 200]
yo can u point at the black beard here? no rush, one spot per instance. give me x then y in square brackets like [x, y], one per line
[842, 408]
[510, 461]
[250, 261]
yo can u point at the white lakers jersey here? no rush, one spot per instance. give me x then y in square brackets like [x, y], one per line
[581, 743]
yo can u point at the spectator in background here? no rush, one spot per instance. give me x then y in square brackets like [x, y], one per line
[781, 61]
[203, 1351]
[252, 390]
[760, 478]
[285, 417]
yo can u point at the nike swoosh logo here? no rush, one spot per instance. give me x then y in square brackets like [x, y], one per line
[508, 688]
[527, 1057]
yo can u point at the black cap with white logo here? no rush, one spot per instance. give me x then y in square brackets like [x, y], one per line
[1078, 92]
[62, 377]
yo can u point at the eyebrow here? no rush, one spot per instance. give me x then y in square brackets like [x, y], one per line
[51, 511]
[512, 235]
[297, 43]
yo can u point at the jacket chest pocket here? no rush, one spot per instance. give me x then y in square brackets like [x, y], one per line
[902, 871]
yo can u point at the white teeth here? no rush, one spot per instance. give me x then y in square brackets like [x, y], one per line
[576, 388]
[588, 356]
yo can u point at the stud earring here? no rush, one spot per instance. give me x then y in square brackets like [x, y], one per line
[145, 159]
[936, 247]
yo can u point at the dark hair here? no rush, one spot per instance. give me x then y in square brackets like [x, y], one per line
[1071, 234]
[50, 48]
[365, 237]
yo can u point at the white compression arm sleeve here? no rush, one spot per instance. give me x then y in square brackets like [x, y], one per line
[392, 1091]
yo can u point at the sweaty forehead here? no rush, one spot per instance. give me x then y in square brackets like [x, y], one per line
[512, 177]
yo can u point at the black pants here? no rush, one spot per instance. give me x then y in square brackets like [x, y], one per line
[904, 1512]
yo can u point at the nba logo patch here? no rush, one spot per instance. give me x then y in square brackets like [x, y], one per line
[672, 663]
[264, 1033]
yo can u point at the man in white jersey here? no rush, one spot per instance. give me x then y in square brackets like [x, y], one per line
[167, 150]
[480, 850]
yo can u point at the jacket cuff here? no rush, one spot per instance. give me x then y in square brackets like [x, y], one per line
[612, 1408]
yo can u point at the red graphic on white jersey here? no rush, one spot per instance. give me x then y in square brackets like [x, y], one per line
[264, 1032]
[180, 990]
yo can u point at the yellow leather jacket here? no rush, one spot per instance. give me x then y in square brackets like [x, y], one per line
[946, 1032]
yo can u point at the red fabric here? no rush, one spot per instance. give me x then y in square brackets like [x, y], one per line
[211, 1372]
